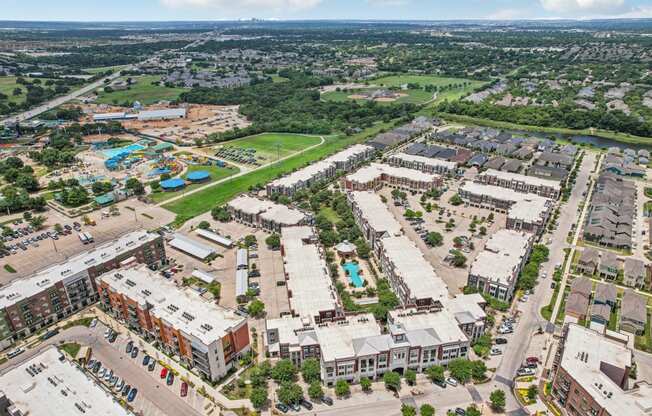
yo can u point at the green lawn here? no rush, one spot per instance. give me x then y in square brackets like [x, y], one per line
[644, 342]
[8, 84]
[330, 214]
[205, 200]
[142, 91]
[72, 348]
[216, 172]
[269, 146]
[278, 78]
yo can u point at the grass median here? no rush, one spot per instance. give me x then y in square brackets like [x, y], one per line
[200, 202]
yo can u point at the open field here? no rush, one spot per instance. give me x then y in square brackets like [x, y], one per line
[620, 137]
[271, 146]
[205, 200]
[99, 69]
[142, 91]
[8, 84]
[216, 172]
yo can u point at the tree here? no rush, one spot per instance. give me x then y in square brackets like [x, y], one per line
[135, 186]
[459, 259]
[483, 230]
[410, 377]
[284, 370]
[490, 217]
[220, 214]
[532, 392]
[258, 397]
[434, 239]
[256, 308]
[27, 215]
[456, 200]
[342, 388]
[250, 240]
[392, 380]
[473, 411]
[310, 370]
[497, 399]
[478, 370]
[315, 391]
[427, 410]
[58, 228]
[37, 222]
[407, 410]
[436, 373]
[273, 241]
[461, 369]
[482, 346]
[365, 383]
[289, 392]
[204, 225]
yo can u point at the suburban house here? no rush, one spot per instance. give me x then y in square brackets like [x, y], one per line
[635, 273]
[605, 294]
[633, 312]
[588, 262]
[577, 301]
[609, 265]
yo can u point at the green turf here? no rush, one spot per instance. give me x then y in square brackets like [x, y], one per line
[205, 200]
[142, 91]
[270, 146]
[216, 172]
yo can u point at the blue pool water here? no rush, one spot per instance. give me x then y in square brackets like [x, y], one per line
[110, 153]
[354, 273]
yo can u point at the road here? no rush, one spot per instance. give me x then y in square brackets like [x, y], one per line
[47, 106]
[530, 319]
[159, 401]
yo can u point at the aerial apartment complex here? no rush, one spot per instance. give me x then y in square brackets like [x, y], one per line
[46, 385]
[265, 214]
[34, 302]
[377, 175]
[422, 163]
[521, 183]
[591, 375]
[526, 212]
[496, 268]
[206, 336]
[373, 218]
[345, 161]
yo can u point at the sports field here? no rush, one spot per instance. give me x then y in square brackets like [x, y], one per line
[216, 172]
[450, 88]
[266, 147]
[142, 90]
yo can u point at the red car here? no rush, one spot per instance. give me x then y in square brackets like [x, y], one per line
[164, 372]
[184, 389]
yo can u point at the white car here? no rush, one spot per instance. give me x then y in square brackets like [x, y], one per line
[496, 351]
[93, 323]
[524, 298]
[451, 381]
[505, 330]
[525, 372]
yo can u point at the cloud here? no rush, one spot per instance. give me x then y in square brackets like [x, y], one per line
[506, 14]
[252, 5]
[638, 12]
[583, 6]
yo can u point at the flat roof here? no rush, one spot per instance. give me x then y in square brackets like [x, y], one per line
[307, 274]
[182, 309]
[526, 207]
[250, 205]
[71, 269]
[517, 177]
[168, 112]
[303, 175]
[43, 393]
[203, 276]
[585, 352]
[241, 282]
[502, 255]
[283, 215]
[375, 170]
[336, 338]
[442, 322]
[413, 269]
[191, 246]
[376, 213]
[209, 235]
[426, 160]
[349, 152]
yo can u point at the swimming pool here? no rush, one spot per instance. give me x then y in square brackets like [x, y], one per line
[110, 153]
[353, 271]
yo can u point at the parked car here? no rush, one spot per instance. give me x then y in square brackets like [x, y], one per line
[146, 359]
[184, 389]
[134, 352]
[305, 403]
[129, 347]
[496, 351]
[152, 364]
[294, 407]
[126, 390]
[102, 372]
[281, 407]
[500, 341]
[459, 411]
[164, 372]
[440, 383]
[451, 381]
[170, 380]
[132, 395]
[327, 400]
[113, 337]
[93, 323]
[120, 385]
[525, 372]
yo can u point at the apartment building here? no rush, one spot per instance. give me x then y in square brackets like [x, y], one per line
[46, 385]
[423, 163]
[377, 175]
[373, 218]
[311, 291]
[205, 336]
[346, 161]
[36, 301]
[591, 375]
[496, 269]
[521, 183]
[265, 214]
[527, 212]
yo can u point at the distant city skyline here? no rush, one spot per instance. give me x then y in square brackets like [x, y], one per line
[163, 10]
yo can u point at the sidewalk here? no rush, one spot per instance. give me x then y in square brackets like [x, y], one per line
[212, 393]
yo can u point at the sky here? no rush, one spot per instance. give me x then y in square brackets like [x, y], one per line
[161, 10]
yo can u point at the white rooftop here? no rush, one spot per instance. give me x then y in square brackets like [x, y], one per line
[336, 338]
[442, 322]
[502, 255]
[182, 309]
[209, 235]
[584, 352]
[307, 273]
[303, 175]
[29, 286]
[526, 207]
[375, 212]
[283, 215]
[56, 389]
[191, 246]
[414, 270]
[376, 170]
[250, 205]
[517, 177]
[428, 161]
[349, 152]
[168, 112]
